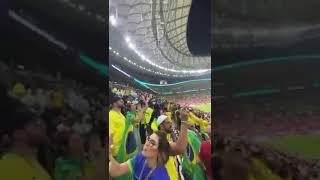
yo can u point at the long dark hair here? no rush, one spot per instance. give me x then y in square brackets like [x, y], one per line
[163, 148]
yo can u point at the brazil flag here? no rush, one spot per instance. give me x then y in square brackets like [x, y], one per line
[190, 165]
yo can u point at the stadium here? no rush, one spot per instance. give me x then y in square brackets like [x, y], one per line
[266, 87]
[160, 64]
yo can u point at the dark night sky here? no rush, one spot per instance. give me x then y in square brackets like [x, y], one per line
[198, 30]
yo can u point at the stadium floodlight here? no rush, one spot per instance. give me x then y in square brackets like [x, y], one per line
[200, 71]
[127, 38]
[113, 20]
[121, 71]
[184, 72]
[131, 46]
[33, 27]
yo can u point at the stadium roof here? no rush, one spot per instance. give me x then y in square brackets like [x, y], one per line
[153, 34]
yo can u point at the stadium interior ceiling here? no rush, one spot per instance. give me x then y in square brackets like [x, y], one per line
[55, 41]
[261, 47]
[149, 41]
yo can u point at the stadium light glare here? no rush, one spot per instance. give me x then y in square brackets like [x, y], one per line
[113, 20]
[127, 38]
[131, 46]
[144, 68]
[36, 29]
[121, 71]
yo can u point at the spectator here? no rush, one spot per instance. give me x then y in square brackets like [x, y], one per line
[147, 164]
[26, 132]
[29, 98]
[18, 90]
[41, 100]
[205, 152]
[118, 128]
[72, 163]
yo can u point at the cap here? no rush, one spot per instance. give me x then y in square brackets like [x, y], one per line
[161, 119]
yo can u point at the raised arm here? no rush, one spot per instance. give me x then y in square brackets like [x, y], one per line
[180, 146]
[140, 114]
[115, 168]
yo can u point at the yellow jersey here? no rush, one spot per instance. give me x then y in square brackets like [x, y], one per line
[170, 165]
[147, 116]
[16, 167]
[116, 128]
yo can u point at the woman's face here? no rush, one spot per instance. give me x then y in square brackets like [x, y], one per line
[150, 148]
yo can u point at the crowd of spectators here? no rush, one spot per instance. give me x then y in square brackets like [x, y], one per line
[73, 114]
[130, 102]
[269, 120]
[250, 160]
[243, 125]
[194, 99]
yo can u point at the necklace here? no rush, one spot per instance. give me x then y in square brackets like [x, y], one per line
[149, 173]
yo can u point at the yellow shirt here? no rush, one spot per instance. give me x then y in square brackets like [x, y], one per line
[18, 90]
[57, 99]
[116, 128]
[170, 165]
[169, 114]
[15, 167]
[147, 116]
[154, 126]
[126, 92]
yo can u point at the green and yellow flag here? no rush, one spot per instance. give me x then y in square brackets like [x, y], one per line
[128, 147]
[190, 164]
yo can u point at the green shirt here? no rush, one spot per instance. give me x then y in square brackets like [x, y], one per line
[130, 116]
[70, 167]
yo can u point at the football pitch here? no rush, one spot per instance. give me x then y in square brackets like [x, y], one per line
[303, 146]
[204, 107]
